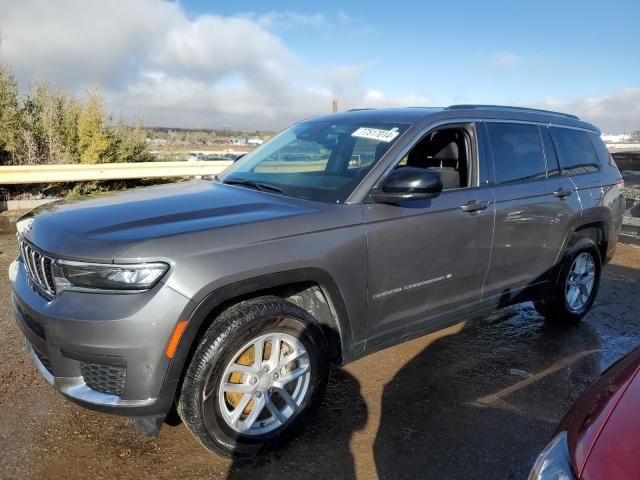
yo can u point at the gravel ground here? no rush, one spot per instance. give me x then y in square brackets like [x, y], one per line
[478, 400]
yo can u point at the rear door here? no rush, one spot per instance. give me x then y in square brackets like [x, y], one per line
[535, 206]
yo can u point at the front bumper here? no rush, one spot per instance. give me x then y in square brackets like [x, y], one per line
[102, 351]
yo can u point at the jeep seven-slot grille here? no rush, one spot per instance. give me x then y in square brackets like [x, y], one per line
[104, 378]
[38, 267]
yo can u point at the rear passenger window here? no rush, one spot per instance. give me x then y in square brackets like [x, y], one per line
[517, 152]
[576, 152]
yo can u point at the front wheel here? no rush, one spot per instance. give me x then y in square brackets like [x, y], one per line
[572, 294]
[257, 375]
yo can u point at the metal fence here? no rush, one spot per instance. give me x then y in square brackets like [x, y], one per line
[627, 160]
[16, 175]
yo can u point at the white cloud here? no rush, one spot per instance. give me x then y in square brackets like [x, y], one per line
[156, 62]
[212, 47]
[615, 113]
[505, 61]
[288, 19]
[75, 43]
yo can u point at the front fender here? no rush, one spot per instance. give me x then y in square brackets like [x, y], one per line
[201, 316]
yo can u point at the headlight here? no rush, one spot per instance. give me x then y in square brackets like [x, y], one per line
[554, 462]
[86, 277]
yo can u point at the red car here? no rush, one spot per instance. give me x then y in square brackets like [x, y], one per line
[600, 436]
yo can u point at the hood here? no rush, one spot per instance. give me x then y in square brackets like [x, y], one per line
[98, 227]
[615, 452]
[590, 415]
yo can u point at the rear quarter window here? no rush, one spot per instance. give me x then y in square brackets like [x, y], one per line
[517, 152]
[577, 153]
[601, 149]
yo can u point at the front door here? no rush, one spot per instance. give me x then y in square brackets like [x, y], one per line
[430, 257]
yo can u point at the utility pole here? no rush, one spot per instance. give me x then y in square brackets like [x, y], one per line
[228, 126]
[335, 106]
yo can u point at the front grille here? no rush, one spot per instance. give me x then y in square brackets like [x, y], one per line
[31, 322]
[104, 378]
[44, 360]
[38, 267]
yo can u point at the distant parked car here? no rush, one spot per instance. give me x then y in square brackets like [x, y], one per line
[599, 439]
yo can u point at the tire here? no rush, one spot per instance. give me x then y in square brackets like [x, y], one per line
[555, 304]
[228, 351]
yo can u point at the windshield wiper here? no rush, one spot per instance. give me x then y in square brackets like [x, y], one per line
[265, 187]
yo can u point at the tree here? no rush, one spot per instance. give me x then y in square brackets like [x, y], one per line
[126, 144]
[69, 114]
[10, 116]
[92, 141]
[49, 125]
[49, 130]
[45, 123]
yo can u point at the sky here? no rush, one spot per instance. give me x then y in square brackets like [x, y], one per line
[263, 65]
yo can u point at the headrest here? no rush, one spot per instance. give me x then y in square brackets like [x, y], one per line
[448, 152]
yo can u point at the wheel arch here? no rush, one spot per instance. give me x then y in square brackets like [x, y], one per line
[312, 289]
[596, 231]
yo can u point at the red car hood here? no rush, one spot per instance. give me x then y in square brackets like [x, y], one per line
[604, 424]
[616, 452]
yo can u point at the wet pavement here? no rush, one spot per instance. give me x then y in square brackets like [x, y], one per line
[478, 400]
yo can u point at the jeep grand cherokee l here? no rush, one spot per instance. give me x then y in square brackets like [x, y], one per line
[227, 300]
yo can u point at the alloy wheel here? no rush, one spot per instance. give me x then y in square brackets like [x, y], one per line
[264, 384]
[580, 281]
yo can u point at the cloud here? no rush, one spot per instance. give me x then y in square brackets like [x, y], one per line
[288, 18]
[213, 47]
[504, 61]
[157, 62]
[75, 43]
[615, 113]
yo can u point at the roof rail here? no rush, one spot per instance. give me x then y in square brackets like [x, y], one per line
[507, 108]
[359, 109]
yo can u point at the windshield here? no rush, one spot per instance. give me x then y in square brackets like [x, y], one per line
[322, 161]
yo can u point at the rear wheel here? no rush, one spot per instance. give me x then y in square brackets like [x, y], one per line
[572, 294]
[257, 375]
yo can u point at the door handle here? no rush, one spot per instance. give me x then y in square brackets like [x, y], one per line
[562, 193]
[474, 206]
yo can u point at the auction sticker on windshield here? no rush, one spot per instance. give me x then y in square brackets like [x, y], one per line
[376, 134]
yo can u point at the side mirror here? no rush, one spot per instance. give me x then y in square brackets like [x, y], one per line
[408, 183]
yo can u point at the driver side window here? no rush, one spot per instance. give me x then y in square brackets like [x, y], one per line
[447, 151]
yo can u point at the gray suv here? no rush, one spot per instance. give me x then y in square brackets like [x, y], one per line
[227, 300]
